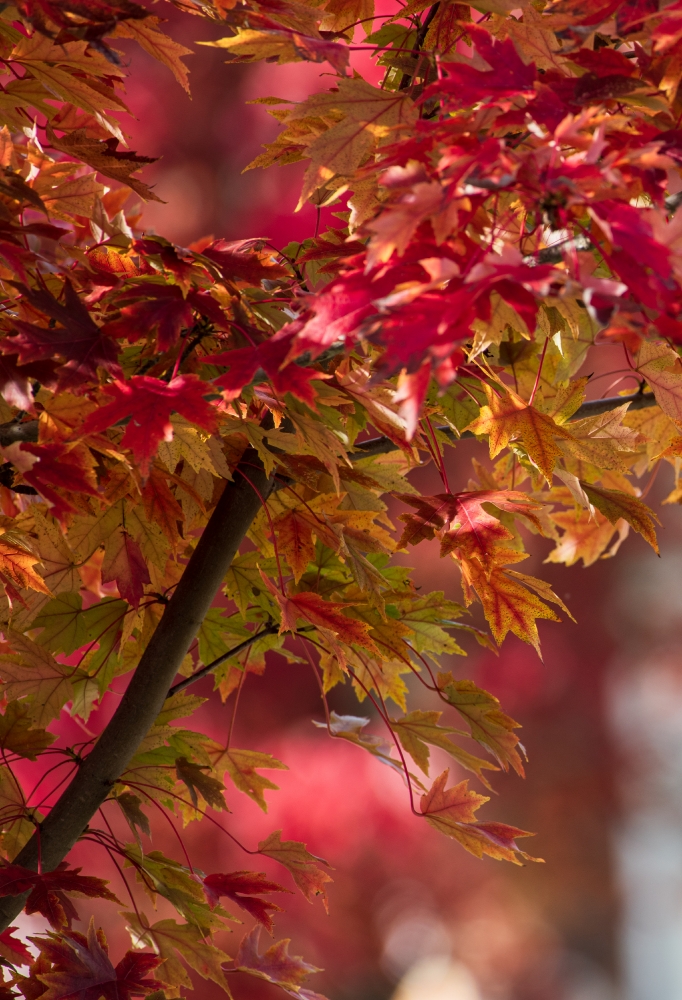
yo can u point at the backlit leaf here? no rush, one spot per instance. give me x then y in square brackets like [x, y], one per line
[615, 505]
[453, 812]
[303, 865]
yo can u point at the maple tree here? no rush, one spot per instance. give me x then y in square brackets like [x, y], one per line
[199, 443]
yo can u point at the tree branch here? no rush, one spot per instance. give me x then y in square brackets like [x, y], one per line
[198, 674]
[637, 401]
[148, 688]
[161, 660]
[14, 431]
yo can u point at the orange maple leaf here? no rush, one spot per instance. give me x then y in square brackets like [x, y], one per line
[585, 537]
[300, 862]
[508, 417]
[507, 604]
[326, 615]
[17, 567]
[453, 812]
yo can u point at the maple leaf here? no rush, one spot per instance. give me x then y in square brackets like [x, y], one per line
[166, 50]
[13, 950]
[148, 403]
[323, 614]
[161, 308]
[46, 888]
[508, 604]
[416, 729]
[462, 521]
[614, 505]
[249, 45]
[17, 734]
[275, 965]
[241, 766]
[489, 725]
[124, 564]
[160, 505]
[14, 380]
[243, 888]
[130, 806]
[243, 260]
[367, 112]
[453, 812]
[507, 417]
[294, 533]
[508, 74]
[303, 865]
[78, 339]
[271, 356]
[55, 466]
[196, 781]
[586, 536]
[100, 15]
[82, 969]
[168, 938]
[662, 369]
[105, 159]
[603, 440]
[17, 566]
[33, 674]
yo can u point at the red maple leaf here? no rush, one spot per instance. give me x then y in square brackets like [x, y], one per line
[124, 563]
[604, 62]
[461, 521]
[148, 403]
[46, 466]
[13, 949]
[82, 969]
[46, 889]
[14, 384]
[208, 307]
[244, 362]
[156, 307]
[240, 887]
[239, 260]
[340, 309]
[508, 76]
[275, 965]
[84, 346]
[323, 614]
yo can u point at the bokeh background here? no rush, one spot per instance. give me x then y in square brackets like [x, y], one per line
[411, 915]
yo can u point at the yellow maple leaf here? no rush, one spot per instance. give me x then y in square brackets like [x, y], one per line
[584, 537]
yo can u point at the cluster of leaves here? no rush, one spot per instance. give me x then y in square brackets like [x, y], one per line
[507, 199]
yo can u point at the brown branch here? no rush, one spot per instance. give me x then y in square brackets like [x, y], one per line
[203, 671]
[148, 688]
[161, 660]
[12, 432]
[637, 401]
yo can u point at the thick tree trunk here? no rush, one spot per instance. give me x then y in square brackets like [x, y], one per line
[152, 679]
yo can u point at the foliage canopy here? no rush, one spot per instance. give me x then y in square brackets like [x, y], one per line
[199, 443]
